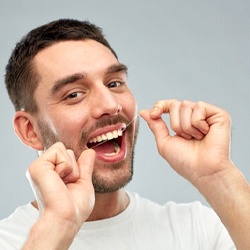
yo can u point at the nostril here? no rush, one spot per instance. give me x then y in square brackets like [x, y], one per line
[119, 109]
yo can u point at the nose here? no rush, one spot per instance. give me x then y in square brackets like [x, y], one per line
[104, 103]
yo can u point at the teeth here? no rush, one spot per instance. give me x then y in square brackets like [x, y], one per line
[115, 134]
[119, 132]
[104, 137]
[107, 136]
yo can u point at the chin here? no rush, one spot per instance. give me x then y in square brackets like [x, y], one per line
[111, 180]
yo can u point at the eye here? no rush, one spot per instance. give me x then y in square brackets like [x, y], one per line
[114, 84]
[74, 95]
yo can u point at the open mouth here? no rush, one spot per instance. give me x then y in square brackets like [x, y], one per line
[108, 144]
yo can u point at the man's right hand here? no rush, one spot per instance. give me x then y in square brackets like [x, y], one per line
[65, 196]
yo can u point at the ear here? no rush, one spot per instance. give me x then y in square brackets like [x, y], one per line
[24, 125]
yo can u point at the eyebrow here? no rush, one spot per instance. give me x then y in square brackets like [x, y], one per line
[67, 80]
[114, 68]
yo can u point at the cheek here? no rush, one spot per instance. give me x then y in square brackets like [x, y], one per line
[131, 106]
[70, 124]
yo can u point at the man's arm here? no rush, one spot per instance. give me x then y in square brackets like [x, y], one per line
[200, 152]
[65, 196]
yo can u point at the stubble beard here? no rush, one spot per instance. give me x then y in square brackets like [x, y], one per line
[101, 183]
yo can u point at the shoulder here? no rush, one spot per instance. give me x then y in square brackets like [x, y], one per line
[23, 214]
[15, 228]
[182, 220]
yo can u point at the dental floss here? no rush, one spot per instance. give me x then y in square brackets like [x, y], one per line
[121, 131]
[130, 122]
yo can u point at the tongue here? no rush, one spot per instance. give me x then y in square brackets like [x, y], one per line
[105, 148]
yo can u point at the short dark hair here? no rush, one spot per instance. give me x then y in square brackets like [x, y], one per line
[21, 77]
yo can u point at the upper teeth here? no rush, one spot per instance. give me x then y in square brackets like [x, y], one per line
[106, 136]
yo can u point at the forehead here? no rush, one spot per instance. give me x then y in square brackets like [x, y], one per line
[69, 57]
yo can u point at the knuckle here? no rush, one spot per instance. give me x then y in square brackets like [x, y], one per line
[176, 127]
[187, 128]
[185, 103]
[174, 103]
[70, 153]
[199, 104]
[59, 145]
[227, 117]
[195, 121]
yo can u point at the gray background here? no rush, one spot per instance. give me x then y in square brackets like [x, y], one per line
[190, 49]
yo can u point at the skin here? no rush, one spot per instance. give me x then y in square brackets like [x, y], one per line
[199, 150]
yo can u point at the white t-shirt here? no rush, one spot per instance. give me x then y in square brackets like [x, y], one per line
[143, 225]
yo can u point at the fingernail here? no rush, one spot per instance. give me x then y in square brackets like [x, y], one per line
[154, 111]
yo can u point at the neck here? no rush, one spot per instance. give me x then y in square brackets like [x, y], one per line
[109, 205]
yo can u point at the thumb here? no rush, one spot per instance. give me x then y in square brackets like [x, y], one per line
[86, 164]
[157, 126]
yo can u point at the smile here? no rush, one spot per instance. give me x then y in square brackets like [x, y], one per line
[106, 136]
[107, 144]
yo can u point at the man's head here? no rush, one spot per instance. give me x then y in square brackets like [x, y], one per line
[21, 76]
[80, 96]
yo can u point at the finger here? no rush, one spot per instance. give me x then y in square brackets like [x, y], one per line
[212, 115]
[58, 159]
[63, 160]
[199, 117]
[172, 107]
[82, 191]
[160, 107]
[157, 126]
[175, 119]
[72, 170]
[48, 161]
[86, 164]
[183, 120]
[56, 154]
[187, 119]
[165, 106]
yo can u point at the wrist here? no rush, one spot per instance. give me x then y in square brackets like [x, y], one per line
[227, 192]
[222, 182]
[51, 232]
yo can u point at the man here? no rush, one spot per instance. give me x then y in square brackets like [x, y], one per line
[73, 104]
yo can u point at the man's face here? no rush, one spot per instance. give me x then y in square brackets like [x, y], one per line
[81, 85]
